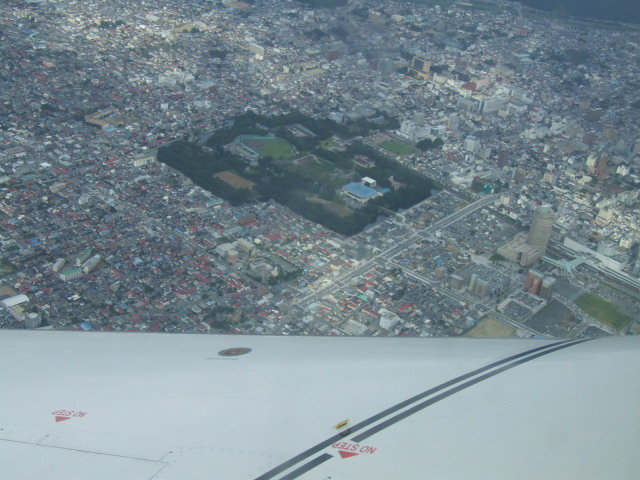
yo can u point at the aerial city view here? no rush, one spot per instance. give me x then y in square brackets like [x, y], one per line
[320, 167]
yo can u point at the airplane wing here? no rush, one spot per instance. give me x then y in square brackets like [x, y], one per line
[160, 406]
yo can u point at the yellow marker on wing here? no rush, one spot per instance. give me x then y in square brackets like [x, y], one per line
[341, 424]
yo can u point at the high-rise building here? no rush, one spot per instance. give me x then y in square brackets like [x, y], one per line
[58, 264]
[91, 264]
[632, 265]
[468, 104]
[414, 131]
[541, 227]
[490, 105]
[472, 282]
[471, 143]
[503, 158]
[535, 286]
[481, 288]
[531, 277]
[454, 123]
[83, 257]
[546, 289]
[71, 274]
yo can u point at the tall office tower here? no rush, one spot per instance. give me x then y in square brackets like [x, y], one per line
[541, 227]
[531, 278]
[481, 288]
[536, 286]
[632, 259]
[546, 289]
[632, 265]
[472, 282]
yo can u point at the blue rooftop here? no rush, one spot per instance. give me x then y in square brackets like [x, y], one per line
[359, 190]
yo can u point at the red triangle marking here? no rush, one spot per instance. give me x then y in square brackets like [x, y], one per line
[59, 419]
[345, 454]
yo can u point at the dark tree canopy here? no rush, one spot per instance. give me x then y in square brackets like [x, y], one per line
[428, 144]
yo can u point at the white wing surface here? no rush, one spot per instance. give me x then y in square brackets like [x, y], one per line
[142, 406]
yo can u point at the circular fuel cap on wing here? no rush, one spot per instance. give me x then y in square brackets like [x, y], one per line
[234, 352]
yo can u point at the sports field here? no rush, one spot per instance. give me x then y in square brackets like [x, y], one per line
[398, 147]
[273, 147]
[603, 310]
[236, 181]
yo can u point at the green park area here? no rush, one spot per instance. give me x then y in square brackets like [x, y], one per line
[320, 170]
[304, 173]
[603, 310]
[397, 147]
